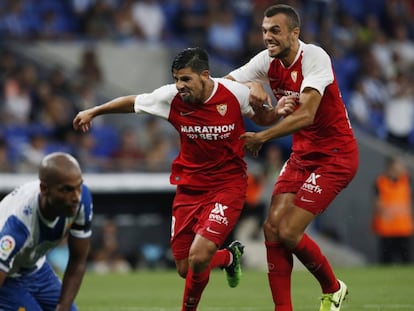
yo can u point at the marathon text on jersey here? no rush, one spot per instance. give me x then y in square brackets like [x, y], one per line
[208, 132]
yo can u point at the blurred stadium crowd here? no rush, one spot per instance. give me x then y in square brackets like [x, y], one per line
[371, 42]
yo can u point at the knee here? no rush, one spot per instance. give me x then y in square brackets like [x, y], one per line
[182, 268]
[198, 261]
[270, 230]
[280, 233]
[288, 236]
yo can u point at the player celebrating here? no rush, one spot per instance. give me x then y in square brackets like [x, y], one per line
[209, 172]
[35, 218]
[324, 156]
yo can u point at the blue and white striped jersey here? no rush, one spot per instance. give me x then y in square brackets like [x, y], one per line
[26, 236]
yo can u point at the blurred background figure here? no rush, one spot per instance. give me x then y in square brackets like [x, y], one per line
[106, 255]
[149, 20]
[128, 157]
[392, 218]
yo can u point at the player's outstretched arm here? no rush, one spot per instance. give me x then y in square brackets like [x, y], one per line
[83, 120]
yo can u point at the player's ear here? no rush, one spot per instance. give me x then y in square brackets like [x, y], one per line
[296, 32]
[43, 187]
[205, 74]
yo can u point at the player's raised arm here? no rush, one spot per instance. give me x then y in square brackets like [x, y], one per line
[123, 104]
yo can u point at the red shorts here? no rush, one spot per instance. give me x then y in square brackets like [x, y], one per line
[317, 182]
[211, 214]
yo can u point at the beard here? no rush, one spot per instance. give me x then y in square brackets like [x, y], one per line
[282, 54]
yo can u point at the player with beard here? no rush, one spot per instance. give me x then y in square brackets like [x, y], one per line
[324, 156]
[209, 171]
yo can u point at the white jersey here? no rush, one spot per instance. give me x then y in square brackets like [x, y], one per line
[158, 103]
[331, 130]
[26, 236]
[211, 153]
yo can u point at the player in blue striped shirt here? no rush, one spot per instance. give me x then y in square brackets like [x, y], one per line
[34, 218]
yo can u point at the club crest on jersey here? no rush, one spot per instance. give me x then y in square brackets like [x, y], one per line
[222, 109]
[7, 245]
[294, 76]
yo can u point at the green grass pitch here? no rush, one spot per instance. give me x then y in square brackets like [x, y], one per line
[370, 289]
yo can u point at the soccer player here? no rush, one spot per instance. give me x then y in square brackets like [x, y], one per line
[34, 218]
[209, 171]
[324, 156]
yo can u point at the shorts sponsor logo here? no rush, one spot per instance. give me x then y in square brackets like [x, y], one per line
[217, 214]
[7, 244]
[311, 184]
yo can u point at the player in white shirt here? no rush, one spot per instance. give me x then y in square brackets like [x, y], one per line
[34, 218]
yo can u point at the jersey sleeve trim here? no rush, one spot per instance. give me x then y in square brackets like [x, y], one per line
[157, 103]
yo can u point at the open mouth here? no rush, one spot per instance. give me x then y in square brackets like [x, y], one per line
[184, 94]
[272, 45]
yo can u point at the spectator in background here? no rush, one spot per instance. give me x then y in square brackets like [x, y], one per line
[375, 91]
[402, 46]
[17, 102]
[106, 256]
[149, 19]
[32, 153]
[89, 69]
[87, 155]
[392, 219]
[96, 20]
[224, 36]
[152, 131]
[159, 156]
[17, 23]
[5, 164]
[360, 109]
[128, 156]
[191, 21]
[56, 116]
[53, 26]
[124, 26]
[383, 54]
[399, 111]
[59, 82]
[8, 64]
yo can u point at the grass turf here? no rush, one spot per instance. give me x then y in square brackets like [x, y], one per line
[370, 289]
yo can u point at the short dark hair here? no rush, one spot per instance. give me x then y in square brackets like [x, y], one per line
[290, 12]
[194, 58]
